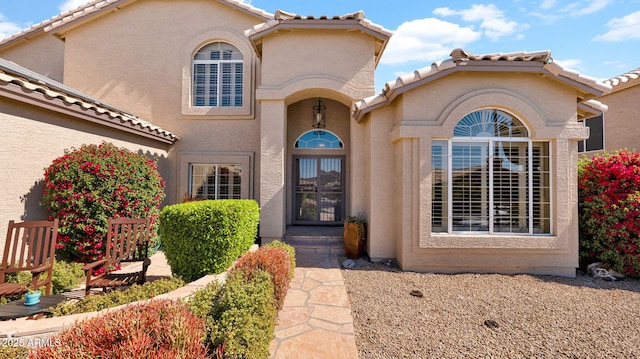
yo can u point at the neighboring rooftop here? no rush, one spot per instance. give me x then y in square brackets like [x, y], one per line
[461, 60]
[23, 84]
[625, 80]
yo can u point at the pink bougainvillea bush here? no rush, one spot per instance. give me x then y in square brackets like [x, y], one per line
[90, 184]
[609, 192]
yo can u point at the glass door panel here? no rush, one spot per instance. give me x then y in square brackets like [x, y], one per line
[318, 190]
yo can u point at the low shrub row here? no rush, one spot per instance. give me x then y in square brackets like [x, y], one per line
[206, 237]
[158, 329]
[240, 315]
[115, 298]
[234, 320]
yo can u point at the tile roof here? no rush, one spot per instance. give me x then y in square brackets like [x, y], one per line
[539, 61]
[98, 6]
[286, 20]
[29, 82]
[625, 80]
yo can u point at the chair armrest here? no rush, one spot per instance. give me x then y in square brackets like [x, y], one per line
[41, 268]
[92, 265]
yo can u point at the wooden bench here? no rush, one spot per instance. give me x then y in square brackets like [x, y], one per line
[127, 241]
[30, 247]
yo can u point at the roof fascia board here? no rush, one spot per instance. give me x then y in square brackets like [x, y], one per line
[257, 13]
[60, 27]
[329, 24]
[586, 89]
[39, 99]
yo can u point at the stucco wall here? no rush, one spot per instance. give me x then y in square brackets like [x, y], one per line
[431, 111]
[33, 138]
[139, 59]
[42, 53]
[340, 56]
[621, 118]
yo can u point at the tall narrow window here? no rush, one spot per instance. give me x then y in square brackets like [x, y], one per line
[595, 142]
[215, 181]
[490, 178]
[218, 76]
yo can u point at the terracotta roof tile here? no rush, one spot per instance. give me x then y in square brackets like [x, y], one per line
[460, 58]
[29, 81]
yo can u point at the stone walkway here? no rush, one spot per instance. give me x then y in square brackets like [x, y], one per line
[316, 320]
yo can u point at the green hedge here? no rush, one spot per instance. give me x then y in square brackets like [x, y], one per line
[205, 237]
[240, 316]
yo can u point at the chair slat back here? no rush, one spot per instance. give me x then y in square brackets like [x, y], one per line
[127, 239]
[29, 245]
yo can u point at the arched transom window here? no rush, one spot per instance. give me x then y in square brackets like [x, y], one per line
[490, 177]
[218, 76]
[318, 139]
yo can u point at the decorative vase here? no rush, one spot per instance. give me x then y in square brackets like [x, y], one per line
[32, 298]
[355, 235]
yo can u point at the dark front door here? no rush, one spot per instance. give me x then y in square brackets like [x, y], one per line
[318, 189]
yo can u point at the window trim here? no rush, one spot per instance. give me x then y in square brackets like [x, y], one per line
[490, 141]
[239, 41]
[244, 159]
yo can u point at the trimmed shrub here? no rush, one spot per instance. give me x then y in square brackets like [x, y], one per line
[240, 315]
[158, 329]
[206, 237]
[272, 260]
[66, 276]
[92, 303]
[11, 352]
[90, 184]
[290, 251]
[609, 200]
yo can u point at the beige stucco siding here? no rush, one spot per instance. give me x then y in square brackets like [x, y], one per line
[42, 53]
[335, 59]
[623, 114]
[430, 112]
[140, 59]
[33, 138]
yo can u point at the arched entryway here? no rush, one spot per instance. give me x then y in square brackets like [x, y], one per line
[317, 164]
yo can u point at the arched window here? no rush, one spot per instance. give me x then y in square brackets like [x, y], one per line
[218, 76]
[318, 139]
[490, 177]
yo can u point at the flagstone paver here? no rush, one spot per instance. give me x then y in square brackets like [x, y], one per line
[316, 320]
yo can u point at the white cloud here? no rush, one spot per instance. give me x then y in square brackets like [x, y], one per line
[426, 40]
[569, 63]
[547, 4]
[72, 4]
[8, 28]
[593, 6]
[493, 22]
[624, 28]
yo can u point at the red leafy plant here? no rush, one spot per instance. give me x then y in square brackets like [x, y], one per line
[157, 329]
[273, 260]
[86, 186]
[609, 193]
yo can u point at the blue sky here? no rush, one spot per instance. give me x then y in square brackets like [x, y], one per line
[599, 38]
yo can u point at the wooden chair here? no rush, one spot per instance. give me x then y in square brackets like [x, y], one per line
[30, 246]
[127, 241]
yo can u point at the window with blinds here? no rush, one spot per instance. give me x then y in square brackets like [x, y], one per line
[215, 181]
[218, 73]
[490, 178]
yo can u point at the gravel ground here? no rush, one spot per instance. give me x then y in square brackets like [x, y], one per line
[490, 315]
